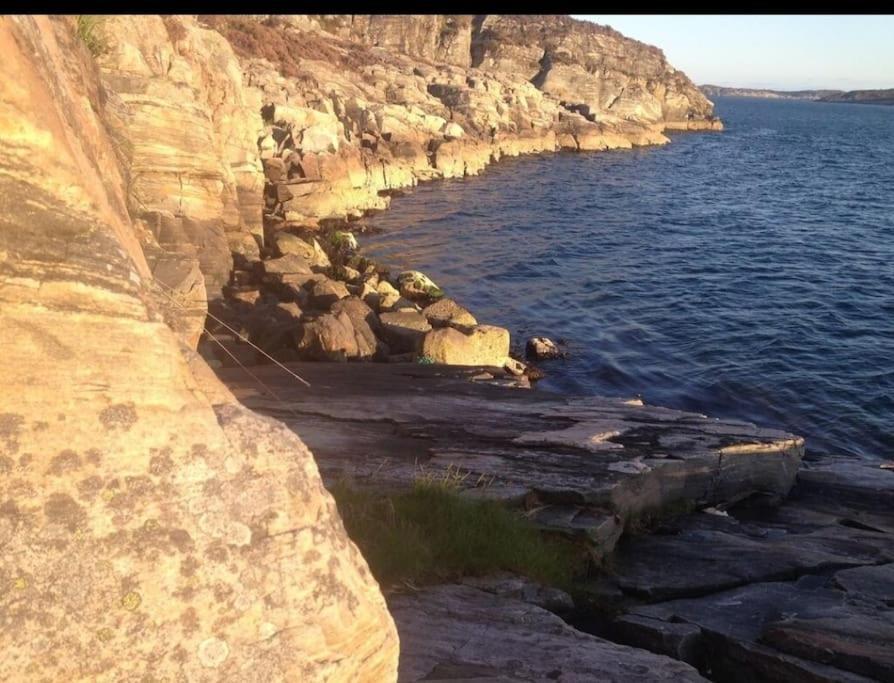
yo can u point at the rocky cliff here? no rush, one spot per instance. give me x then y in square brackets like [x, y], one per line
[150, 523]
[347, 109]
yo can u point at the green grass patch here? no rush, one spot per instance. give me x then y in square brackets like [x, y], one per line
[90, 31]
[432, 534]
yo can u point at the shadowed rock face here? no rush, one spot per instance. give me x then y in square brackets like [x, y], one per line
[150, 524]
[803, 592]
[461, 633]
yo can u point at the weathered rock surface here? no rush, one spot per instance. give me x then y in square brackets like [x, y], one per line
[446, 312]
[800, 593]
[482, 345]
[405, 331]
[457, 632]
[584, 467]
[151, 526]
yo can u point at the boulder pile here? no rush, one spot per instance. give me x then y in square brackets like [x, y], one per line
[306, 293]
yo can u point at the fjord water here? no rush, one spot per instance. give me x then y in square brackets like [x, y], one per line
[747, 274]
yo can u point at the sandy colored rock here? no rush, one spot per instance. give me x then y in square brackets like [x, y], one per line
[289, 265]
[446, 312]
[151, 527]
[287, 243]
[483, 345]
[404, 330]
[330, 337]
[324, 292]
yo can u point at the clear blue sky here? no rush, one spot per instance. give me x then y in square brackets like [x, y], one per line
[781, 52]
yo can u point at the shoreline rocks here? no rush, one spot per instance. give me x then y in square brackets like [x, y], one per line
[542, 348]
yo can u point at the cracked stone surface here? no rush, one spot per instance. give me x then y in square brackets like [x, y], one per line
[456, 632]
[580, 466]
[804, 592]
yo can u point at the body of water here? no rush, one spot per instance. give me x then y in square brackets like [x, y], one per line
[748, 273]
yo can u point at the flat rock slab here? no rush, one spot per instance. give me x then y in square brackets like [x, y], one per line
[460, 633]
[804, 592]
[582, 466]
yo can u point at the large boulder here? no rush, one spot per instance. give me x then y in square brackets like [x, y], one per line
[345, 333]
[324, 292]
[446, 312]
[483, 345]
[417, 285]
[289, 268]
[388, 295]
[366, 326]
[405, 330]
[312, 252]
[330, 337]
[152, 527]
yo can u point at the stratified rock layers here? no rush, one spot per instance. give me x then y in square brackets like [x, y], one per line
[150, 524]
[350, 108]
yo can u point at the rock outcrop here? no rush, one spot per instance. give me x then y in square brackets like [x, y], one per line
[798, 593]
[343, 110]
[586, 468]
[151, 525]
[457, 632]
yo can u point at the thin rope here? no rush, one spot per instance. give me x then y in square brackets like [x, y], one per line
[257, 379]
[246, 340]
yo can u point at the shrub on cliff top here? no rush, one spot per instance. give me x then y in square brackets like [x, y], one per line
[285, 46]
[89, 30]
[432, 534]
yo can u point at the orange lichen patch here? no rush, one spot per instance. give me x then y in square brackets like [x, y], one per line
[131, 601]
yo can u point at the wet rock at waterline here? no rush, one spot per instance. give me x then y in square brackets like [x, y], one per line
[543, 348]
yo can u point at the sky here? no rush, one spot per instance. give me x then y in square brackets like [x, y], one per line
[771, 51]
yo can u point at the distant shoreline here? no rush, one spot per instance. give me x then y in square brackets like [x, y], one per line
[885, 96]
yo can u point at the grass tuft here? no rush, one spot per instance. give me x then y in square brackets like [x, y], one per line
[432, 534]
[89, 30]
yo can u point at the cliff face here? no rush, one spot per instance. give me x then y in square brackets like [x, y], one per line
[150, 524]
[355, 107]
[589, 66]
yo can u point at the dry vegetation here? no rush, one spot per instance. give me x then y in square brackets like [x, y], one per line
[285, 46]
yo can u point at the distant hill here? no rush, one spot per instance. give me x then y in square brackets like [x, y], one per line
[854, 96]
[712, 90]
[863, 97]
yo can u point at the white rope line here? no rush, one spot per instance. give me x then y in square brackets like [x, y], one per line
[257, 379]
[246, 340]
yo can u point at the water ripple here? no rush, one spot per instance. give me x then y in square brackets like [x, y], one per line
[747, 274]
